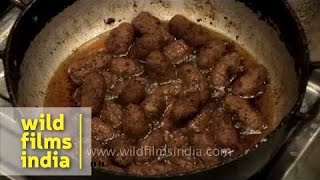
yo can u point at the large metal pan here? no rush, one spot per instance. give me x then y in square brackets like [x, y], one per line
[47, 32]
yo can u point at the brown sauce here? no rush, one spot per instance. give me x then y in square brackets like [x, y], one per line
[61, 89]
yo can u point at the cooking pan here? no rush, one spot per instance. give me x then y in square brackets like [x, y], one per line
[47, 32]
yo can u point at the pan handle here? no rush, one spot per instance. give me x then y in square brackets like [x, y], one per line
[22, 4]
[315, 65]
[3, 97]
[313, 108]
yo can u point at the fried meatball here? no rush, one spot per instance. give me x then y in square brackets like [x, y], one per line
[92, 92]
[155, 104]
[206, 144]
[120, 39]
[158, 67]
[112, 113]
[167, 37]
[194, 81]
[202, 121]
[102, 161]
[132, 92]
[96, 146]
[250, 118]
[134, 123]
[78, 70]
[117, 88]
[189, 74]
[177, 52]
[101, 131]
[110, 78]
[146, 44]
[178, 141]
[145, 23]
[155, 141]
[121, 146]
[193, 34]
[170, 89]
[184, 108]
[252, 83]
[223, 129]
[226, 70]
[125, 67]
[210, 53]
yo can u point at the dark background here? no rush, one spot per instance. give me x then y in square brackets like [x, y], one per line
[4, 4]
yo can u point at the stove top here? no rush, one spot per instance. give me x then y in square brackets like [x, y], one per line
[298, 158]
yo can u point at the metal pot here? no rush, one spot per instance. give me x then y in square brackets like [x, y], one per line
[47, 32]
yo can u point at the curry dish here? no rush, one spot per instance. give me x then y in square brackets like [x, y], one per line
[165, 85]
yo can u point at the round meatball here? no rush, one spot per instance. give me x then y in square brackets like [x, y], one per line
[184, 109]
[96, 146]
[178, 141]
[145, 23]
[158, 67]
[252, 83]
[125, 67]
[154, 141]
[102, 161]
[132, 92]
[92, 92]
[122, 147]
[168, 38]
[194, 81]
[117, 88]
[210, 54]
[177, 52]
[202, 121]
[120, 39]
[170, 89]
[134, 123]
[101, 131]
[226, 70]
[250, 118]
[223, 129]
[155, 104]
[202, 140]
[112, 113]
[78, 70]
[192, 33]
[110, 78]
[146, 44]
[206, 143]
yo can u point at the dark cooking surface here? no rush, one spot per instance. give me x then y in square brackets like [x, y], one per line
[173, 85]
